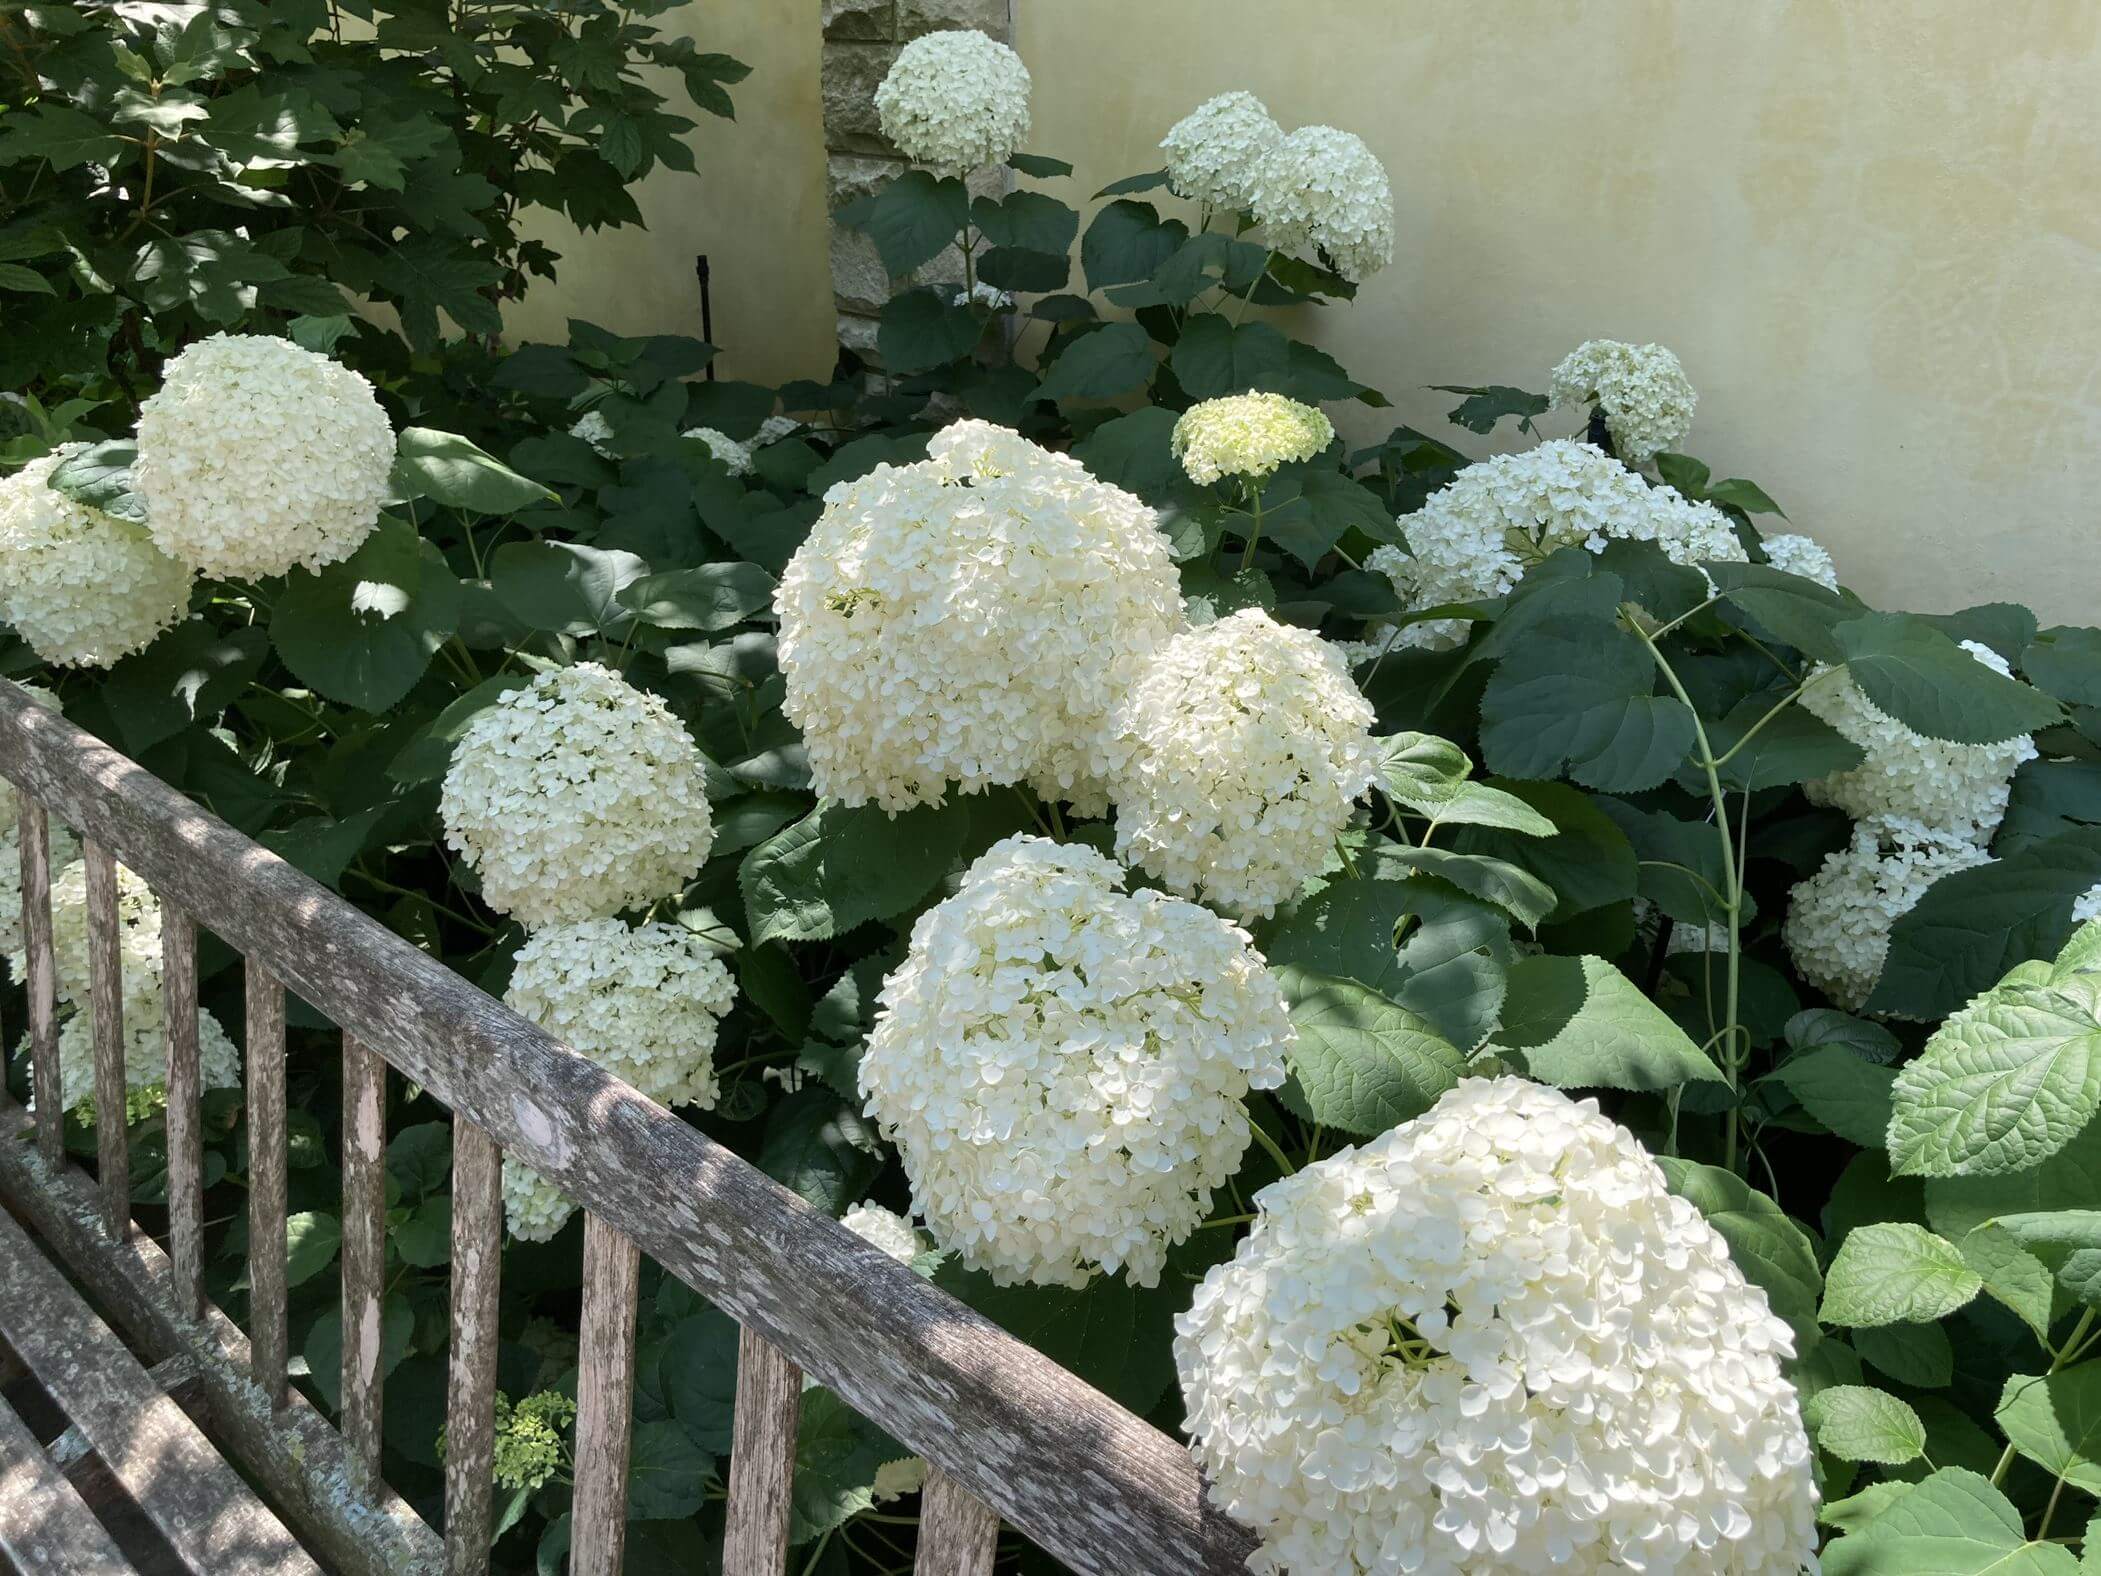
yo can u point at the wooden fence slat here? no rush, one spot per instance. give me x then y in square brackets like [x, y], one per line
[42, 981]
[46, 1528]
[266, 1178]
[106, 992]
[178, 944]
[364, 1251]
[958, 1534]
[605, 1382]
[762, 1457]
[470, 1399]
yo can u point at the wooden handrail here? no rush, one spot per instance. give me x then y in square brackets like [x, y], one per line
[1086, 1479]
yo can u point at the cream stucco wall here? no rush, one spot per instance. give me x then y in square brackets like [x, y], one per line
[1869, 227]
[757, 209]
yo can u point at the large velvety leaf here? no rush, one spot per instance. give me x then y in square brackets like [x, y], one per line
[100, 476]
[1577, 696]
[363, 631]
[1791, 748]
[190, 674]
[819, 1148]
[910, 219]
[1362, 1063]
[1859, 1423]
[446, 468]
[709, 597]
[1847, 1094]
[2066, 662]
[1112, 360]
[1953, 1524]
[1930, 684]
[1484, 407]
[2056, 1422]
[564, 586]
[1895, 1272]
[1128, 241]
[2065, 1241]
[1579, 1023]
[1492, 880]
[838, 867]
[1797, 611]
[923, 329]
[1769, 1248]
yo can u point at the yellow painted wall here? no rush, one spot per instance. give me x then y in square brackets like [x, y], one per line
[757, 208]
[1870, 228]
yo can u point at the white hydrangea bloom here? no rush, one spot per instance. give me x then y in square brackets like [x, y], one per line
[145, 1055]
[84, 588]
[1795, 554]
[1216, 150]
[896, 1479]
[982, 294]
[955, 100]
[1063, 1064]
[1647, 399]
[577, 796]
[1957, 788]
[1249, 743]
[970, 618]
[885, 1229]
[773, 429]
[257, 455]
[1325, 186]
[641, 1001]
[1839, 920]
[1491, 1343]
[735, 456]
[1478, 535]
[64, 850]
[10, 800]
[593, 427]
[1247, 435]
[2085, 907]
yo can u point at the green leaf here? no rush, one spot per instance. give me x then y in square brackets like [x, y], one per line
[101, 477]
[1589, 863]
[837, 1452]
[1149, 181]
[1215, 357]
[2055, 1421]
[1793, 747]
[1117, 1337]
[911, 219]
[698, 1364]
[1894, 1272]
[922, 329]
[445, 468]
[311, 1240]
[1953, 1524]
[1846, 1094]
[323, 1348]
[1797, 611]
[1764, 1243]
[1577, 696]
[24, 281]
[191, 674]
[1856, 1423]
[838, 867]
[2064, 1241]
[1492, 880]
[709, 597]
[428, 274]
[820, 1148]
[425, 1238]
[667, 1474]
[2013, 1275]
[2066, 662]
[1860, 1510]
[564, 586]
[1128, 241]
[60, 133]
[1027, 219]
[363, 631]
[1815, 1026]
[1362, 1063]
[1038, 165]
[1423, 771]
[428, 753]
[1484, 407]
[1926, 681]
[1110, 360]
[1579, 1023]
[1918, 1355]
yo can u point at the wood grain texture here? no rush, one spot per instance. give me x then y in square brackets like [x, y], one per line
[364, 1252]
[762, 1458]
[106, 994]
[193, 1497]
[605, 1385]
[295, 1453]
[46, 1528]
[41, 981]
[266, 1178]
[958, 1535]
[1095, 1486]
[178, 946]
[470, 1397]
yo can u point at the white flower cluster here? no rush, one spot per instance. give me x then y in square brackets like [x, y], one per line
[593, 427]
[2087, 906]
[1647, 399]
[970, 618]
[257, 455]
[641, 1002]
[1247, 435]
[145, 1058]
[1795, 554]
[1960, 789]
[1249, 744]
[1478, 535]
[64, 850]
[735, 456]
[982, 294]
[1215, 151]
[1839, 920]
[885, 1229]
[1063, 1064]
[82, 587]
[577, 796]
[1325, 186]
[1491, 1343]
[955, 100]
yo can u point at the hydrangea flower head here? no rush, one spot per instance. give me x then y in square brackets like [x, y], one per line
[1492, 1343]
[885, 1229]
[1839, 920]
[1795, 554]
[1214, 151]
[577, 796]
[1062, 1065]
[735, 456]
[1327, 187]
[1647, 399]
[81, 586]
[954, 100]
[1250, 743]
[63, 851]
[145, 1059]
[257, 456]
[970, 618]
[1247, 435]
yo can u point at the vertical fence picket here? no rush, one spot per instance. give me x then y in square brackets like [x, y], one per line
[106, 993]
[178, 943]
[266, 1179]
[470, 1400]
[364, 1252]
[762, 1458]
[41, 981]
[605, 1402]
[958, 1534]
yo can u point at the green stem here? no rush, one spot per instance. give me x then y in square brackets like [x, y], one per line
[1283, 1160]
[1254, 530]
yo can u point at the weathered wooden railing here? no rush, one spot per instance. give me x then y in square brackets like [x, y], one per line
[1008, 1433]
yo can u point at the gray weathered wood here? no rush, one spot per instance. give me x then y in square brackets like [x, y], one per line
[605, 1385]
[957, 1534]
[178, 1378]
[195, 1500]
[470, 1401]
[762, 1458]
[41, 981]
[266, 1177]
[46, 1528]
[106, 990]
[178, 946]
[364, 1251]
[1094, 1485]
[295, 1453]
